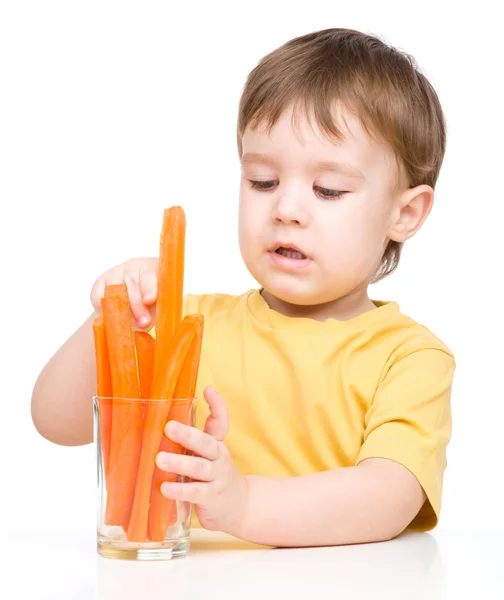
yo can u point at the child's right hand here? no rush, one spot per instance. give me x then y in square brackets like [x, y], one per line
[140, 276]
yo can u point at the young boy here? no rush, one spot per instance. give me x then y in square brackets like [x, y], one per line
[327, 414]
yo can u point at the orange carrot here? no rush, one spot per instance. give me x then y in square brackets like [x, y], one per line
[115, 288]
[127, 423]
[163, 511]
[145, 348]
[170, 281]
[157, 414]
[104, 389]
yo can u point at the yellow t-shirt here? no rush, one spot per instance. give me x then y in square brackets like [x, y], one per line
[305, 396]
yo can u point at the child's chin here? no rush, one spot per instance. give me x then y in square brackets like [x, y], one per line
[294, 293]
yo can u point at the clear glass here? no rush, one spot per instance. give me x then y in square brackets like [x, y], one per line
[134, 520]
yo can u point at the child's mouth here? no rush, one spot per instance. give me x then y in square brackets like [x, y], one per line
[290, 253]
[289, 258]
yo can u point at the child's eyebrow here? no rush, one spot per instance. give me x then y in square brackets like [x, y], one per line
[325, 165]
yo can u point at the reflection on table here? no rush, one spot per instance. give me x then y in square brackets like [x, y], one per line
[406, 568]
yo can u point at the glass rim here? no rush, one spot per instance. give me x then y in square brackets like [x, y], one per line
[153, 400]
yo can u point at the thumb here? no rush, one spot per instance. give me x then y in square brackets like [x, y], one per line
[217, 423]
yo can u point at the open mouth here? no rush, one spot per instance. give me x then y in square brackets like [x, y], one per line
[289, 257]
[290, 253]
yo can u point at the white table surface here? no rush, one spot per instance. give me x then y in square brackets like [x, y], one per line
[454, 564]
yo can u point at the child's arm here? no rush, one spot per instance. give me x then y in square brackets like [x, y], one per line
[61, 404]
[371, 502]
[374, 501]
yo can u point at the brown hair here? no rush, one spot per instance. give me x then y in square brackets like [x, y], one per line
[378, 83]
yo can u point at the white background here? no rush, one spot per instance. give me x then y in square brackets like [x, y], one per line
[110, 112]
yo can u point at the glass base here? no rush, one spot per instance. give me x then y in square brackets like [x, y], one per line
[124, 550]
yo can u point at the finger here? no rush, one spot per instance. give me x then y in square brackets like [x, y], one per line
[148, 287]
[217, 423]
[193, 439]
[199, 469]
[138, 308]
[97, 293]
[112, 277]
[193, 492]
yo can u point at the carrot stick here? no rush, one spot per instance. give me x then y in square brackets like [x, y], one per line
[157, 413]
[104, 389]
[115, 288]
[145, 348]
[170, 281]
[163, 511]
[127, 423]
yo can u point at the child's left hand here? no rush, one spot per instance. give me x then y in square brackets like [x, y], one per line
[218, 491]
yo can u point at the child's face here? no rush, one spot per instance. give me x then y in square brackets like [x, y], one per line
[294, 204]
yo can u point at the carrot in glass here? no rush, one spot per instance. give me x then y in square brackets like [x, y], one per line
[103, 389]
[145, 348]
[170, 280]
[157, 414]
[127, 422]
[163, 511]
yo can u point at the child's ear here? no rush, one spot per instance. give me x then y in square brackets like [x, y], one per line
[412, 208]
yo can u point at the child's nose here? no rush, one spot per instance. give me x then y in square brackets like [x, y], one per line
[289, 209]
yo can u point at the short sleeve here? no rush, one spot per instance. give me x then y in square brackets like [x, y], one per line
[409, 422]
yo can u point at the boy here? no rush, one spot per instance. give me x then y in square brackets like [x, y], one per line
[328, 413]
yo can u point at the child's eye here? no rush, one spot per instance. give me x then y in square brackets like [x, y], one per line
[330, 194]
[265, 186]
[262, 185]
